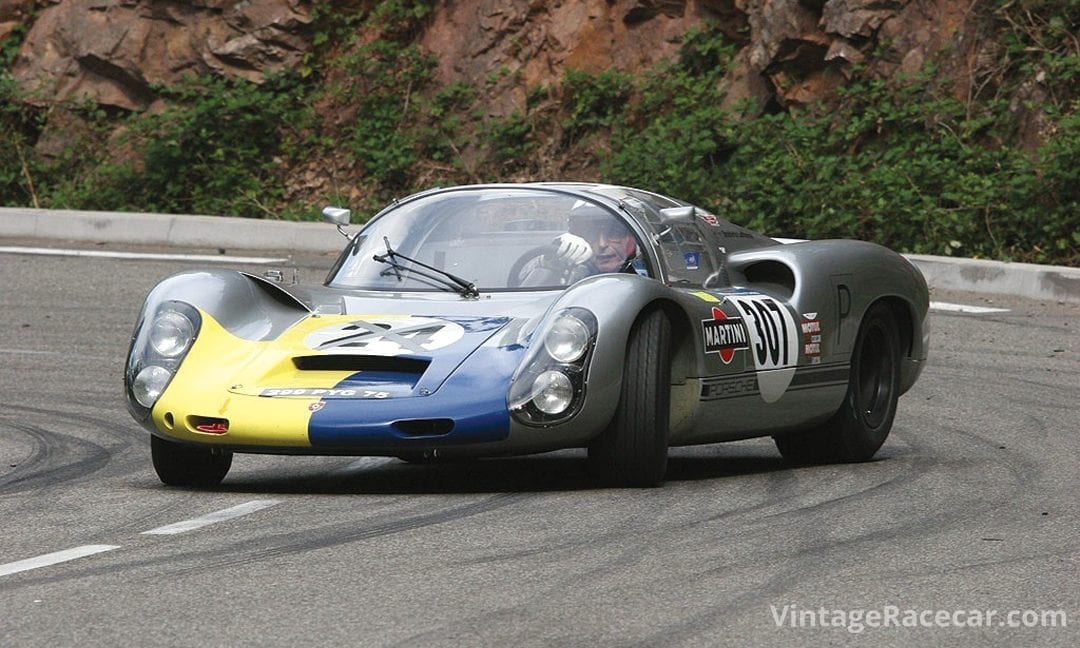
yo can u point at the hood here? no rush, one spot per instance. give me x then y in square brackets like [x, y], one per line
[261, 338]
[377, 347]
[353, 356]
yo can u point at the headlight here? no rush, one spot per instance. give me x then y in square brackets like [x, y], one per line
[552, 392]
[549, 386]
[567, 340]
[163, 338]
[149, 383]
[171, 334]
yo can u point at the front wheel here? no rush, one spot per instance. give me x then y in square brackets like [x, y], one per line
[864, 419]
[178, 464]
[633, 450]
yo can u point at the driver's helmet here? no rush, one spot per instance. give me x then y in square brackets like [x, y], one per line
[589, 222]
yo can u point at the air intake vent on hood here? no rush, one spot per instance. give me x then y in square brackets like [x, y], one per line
[348, 362]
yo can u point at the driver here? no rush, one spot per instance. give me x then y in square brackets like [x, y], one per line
[596, 242]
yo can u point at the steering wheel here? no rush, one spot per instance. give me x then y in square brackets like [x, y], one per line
[524, 266]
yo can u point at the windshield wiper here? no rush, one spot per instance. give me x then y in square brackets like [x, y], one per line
[466, 288]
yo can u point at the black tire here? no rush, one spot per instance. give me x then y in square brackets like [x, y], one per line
[864, 419]
[178, 464]
[633, 450]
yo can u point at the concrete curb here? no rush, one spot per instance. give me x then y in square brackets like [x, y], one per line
[1049, 283]
[947, 273]
[168, 229]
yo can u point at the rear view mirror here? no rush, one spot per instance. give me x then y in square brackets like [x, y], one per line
[336, 216]
[677, 215]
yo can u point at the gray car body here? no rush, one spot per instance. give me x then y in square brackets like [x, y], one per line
[804, 300]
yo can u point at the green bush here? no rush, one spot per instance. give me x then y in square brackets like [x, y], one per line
[903, 164]
[19, 126]
[385, 137]
[593, 102]
[216, 149]
[508, 138]
[906, 168]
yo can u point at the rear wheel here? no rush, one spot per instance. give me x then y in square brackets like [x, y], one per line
[864, 419]
[633, 450]
[178, 464]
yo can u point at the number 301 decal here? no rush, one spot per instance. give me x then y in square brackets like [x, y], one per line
[774, 342]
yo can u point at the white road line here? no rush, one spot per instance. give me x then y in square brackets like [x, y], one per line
[64, 354]
[202, 258]
[54, 558]
[33, 352]
[962, 308]
[212, 518]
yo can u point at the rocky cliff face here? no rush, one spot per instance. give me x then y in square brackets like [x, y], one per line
[536, 41]
[113, 52]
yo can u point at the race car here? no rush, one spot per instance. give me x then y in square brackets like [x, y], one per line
[507, 319]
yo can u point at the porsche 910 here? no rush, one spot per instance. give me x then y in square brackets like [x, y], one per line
[493, 320]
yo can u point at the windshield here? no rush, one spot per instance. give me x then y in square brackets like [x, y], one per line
[493, 238]
[688, 250]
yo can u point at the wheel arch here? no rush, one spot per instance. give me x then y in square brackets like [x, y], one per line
[248, 306]
[910, 325]
[683, 359]
[619, 302]
[902, 313]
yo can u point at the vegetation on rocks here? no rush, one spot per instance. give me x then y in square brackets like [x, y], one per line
[923, 163]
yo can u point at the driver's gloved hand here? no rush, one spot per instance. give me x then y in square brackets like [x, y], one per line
[569, 250]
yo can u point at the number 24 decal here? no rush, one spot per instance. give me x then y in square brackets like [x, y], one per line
[772, 329]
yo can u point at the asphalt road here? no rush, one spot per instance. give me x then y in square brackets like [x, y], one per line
[971, 506]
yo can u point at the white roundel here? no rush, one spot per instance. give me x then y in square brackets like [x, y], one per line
[386, 336]
[774, 342]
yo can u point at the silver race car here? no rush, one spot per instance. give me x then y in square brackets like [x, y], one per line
[509, 319]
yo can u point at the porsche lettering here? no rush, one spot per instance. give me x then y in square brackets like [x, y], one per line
[730, 388]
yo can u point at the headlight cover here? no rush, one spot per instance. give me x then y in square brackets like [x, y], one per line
[161, 341]
[171, 333]
[549, 386]
[553, 392]
[149, 383]
[568, 339]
